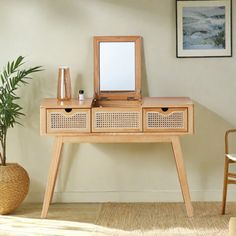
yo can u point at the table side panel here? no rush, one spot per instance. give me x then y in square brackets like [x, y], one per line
[191, 119]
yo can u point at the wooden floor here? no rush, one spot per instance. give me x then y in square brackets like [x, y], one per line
[137, 219]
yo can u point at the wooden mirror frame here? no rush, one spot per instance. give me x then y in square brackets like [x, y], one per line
[117, 95]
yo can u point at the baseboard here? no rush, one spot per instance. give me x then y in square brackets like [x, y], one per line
[131, 196]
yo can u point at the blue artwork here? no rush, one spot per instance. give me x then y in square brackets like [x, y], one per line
[203, 28]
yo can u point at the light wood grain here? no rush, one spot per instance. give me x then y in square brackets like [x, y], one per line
[43, 121]
[231, 181]
[117, 95]
[53, 171]
[117, 103]
[191, 119]
[73, 103]
[147, 103]
[93, 134]
[225, 185]
[226, 170]
[166, 102]
[106, 138]
[170, 103]
[116, 138]
[120, 135]
[182, 174]
[232, 175]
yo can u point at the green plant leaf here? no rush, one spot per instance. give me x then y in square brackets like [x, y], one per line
[11, 78]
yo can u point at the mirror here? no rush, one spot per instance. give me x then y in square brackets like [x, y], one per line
[117, 67]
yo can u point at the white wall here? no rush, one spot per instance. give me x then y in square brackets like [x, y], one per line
[51, 33]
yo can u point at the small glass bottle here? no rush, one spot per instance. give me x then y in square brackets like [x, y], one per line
[64, 83]
[81, 95]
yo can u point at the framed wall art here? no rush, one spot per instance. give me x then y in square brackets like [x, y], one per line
[204, 28]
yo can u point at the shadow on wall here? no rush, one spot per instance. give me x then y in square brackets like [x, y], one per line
[70, 11]
[139, 5]
[204, 151]
[61, 10]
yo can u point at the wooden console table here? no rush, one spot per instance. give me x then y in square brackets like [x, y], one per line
[155, 120]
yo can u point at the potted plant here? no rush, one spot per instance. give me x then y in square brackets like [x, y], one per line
[14, 180]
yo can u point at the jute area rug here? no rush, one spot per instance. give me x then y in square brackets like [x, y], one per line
[119, 219]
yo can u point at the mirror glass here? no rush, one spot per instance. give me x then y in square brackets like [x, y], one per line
[117, 66]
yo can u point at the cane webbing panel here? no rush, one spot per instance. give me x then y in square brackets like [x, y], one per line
[60, 121]
[117, 120]
[157, 120]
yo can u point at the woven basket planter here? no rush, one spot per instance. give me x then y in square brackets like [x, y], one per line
[14, 186]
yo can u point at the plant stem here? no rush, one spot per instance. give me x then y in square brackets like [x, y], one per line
[1, 140]
[1, 158]
[4, 145]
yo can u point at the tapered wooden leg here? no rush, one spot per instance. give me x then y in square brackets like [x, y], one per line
[225, 185]
[52, 175]
[55, 179]
[182, 174]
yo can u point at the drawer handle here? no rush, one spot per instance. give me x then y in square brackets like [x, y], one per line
[164, 109]
[68, 110]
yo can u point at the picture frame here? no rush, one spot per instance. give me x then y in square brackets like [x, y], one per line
[203, 28]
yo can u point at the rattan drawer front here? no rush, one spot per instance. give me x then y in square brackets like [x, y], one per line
[117, 120]
[68, 120]
[165, 119]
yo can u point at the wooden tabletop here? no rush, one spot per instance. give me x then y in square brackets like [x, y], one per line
[73, 103]
[145, 103]
[166, 101]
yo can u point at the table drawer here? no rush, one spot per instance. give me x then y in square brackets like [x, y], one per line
[68, 120]
[117, 120]
[165, 119]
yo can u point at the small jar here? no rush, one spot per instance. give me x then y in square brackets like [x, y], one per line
[81, 95]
